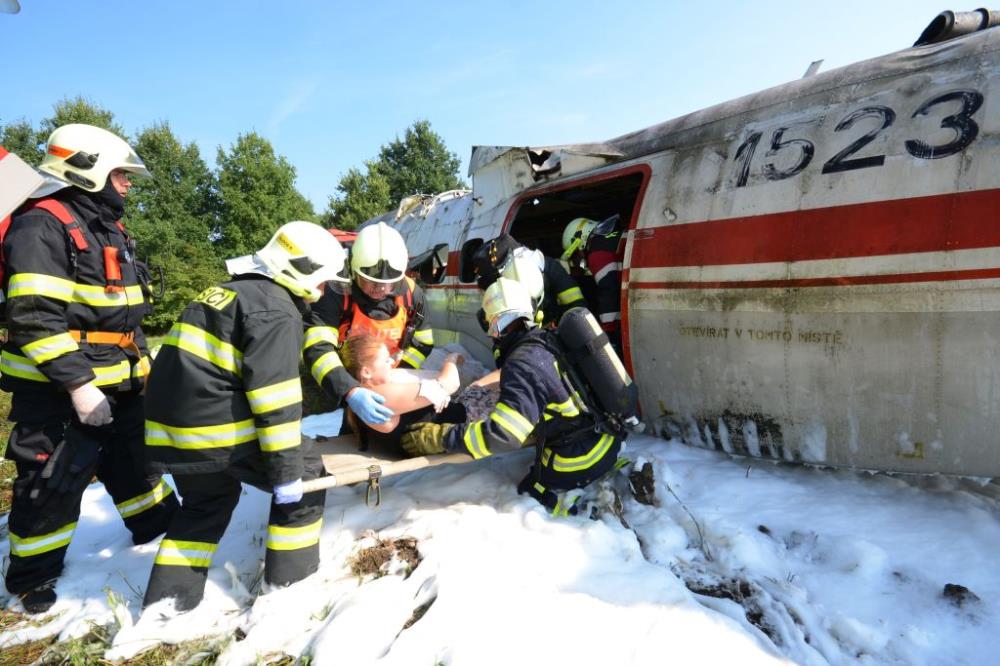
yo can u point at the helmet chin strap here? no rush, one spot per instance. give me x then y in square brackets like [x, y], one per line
[309, 295]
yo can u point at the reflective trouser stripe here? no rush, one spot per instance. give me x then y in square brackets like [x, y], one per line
[475, 442]
[512, 421]
[293, 538]
[579, 463]
[141, 503]
[185, 553]
[28, 546]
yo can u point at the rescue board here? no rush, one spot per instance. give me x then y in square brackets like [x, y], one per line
[346, 464]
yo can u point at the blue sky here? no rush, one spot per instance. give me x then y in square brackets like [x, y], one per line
[329, 82]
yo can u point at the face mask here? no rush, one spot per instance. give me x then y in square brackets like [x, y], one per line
[110, 199]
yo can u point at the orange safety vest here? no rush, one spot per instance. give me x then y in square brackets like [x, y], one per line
[392, 331]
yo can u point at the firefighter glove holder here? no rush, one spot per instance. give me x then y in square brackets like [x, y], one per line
[288, 493]
[91, 405]
[425, 439]
[368, 406]
[70, 467]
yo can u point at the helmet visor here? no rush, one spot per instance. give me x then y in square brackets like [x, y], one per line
[502, 321]
[382, 271]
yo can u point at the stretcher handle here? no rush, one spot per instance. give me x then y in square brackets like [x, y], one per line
[363, 472]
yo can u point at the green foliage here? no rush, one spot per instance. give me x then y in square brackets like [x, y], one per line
[362, 197]
[20, 139]
[418, 163]
[258, 195]
[172, 215]
[79, 110]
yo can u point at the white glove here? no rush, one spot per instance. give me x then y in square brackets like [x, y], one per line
[91, 405]
[287, 493]
[433, 391]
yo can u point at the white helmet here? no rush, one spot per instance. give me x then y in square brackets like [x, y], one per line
[379, 254]
[301, 256]
[84, 155]
[504, 302]
[576, 234]
[523, 266]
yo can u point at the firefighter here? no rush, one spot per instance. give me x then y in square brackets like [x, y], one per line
[224, 406]
[75, 359]
[537, 405]
[381, 302]
[505, 257]
[600, 248]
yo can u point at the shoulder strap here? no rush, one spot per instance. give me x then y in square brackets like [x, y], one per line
[61, 213]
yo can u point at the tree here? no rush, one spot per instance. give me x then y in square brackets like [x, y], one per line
[79, 110]
[257, 190]
[418, 163]
[20, 139]
[363, 196]
[171, 215]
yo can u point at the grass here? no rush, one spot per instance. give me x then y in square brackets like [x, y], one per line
[7, 473]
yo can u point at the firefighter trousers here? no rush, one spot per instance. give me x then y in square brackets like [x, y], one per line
[567, 467]
[186, 552]
[41, 528]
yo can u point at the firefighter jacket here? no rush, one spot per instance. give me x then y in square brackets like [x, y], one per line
[604, 262]
[56, 290]
[331, 320]
[225, 384]
[537, 400]
[561, 292]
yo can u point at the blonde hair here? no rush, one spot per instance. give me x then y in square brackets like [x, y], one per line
[359, 351]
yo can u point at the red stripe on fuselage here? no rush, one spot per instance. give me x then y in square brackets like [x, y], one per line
[838, 281]
[958, 221]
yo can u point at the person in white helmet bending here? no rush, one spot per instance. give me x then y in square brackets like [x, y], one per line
[75, 358]
[381, 302]
[224, 406]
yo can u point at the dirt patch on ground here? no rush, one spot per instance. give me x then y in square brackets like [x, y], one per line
[377, 560]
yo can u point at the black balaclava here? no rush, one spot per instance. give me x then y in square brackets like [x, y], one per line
[110, 201]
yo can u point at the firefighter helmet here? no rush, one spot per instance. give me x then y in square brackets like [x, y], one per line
[379, 254]
[576, 235]
[301, 256]
[84, 155]
[504, 302]
[522, 266]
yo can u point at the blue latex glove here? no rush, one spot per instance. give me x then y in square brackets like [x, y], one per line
[369, 406]
[287, 493]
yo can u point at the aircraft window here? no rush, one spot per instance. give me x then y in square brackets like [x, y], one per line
[468, 270]
[431, 266]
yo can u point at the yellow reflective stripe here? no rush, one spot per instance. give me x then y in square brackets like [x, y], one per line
[21, 367]
[318, 334]
[185, 553]
[141, 369]
[424, 336]
[26, 547]
[293, 538]
[475, 442]
[37, 284]
[324, 364]
[113, 374]
[585, 461]
[205, 346]
[280, 437]
[200, 437]
[565, 408]
[512, 421]
[562, 508]
[413, 357]
[49, 348]
[570, 295]
[95, 296]
[275, 396]
[145, 501]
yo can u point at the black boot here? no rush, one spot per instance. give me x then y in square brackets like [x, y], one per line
[40, 599]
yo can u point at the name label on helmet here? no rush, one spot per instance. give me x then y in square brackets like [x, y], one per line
[290, 247]
[216, 297]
